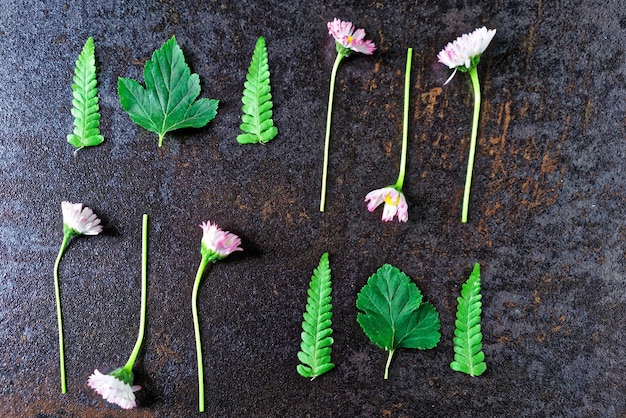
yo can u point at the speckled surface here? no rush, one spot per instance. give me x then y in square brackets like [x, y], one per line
[546, 217]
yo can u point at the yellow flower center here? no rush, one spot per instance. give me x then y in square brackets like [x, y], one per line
[389, 201]
[350, 39]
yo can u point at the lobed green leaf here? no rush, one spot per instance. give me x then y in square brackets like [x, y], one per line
[258, 125]
[393, 314]
[468, 357]
[316, 327]
[85, 108]
[168, 102]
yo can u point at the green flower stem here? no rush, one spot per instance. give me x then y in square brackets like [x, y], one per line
[388, 363]
[329, 118]
[144, 281]
[57, 294]
[206, 259]
[405, 120]
[470, 162]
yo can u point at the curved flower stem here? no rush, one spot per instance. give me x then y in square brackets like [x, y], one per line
[144, 280]
[329, 118]
[57, 295]
[196, 328]
[405, 120]
[470, 162]
[388, 363]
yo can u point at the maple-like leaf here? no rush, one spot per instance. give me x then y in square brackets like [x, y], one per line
[394, 315]
[168, 101]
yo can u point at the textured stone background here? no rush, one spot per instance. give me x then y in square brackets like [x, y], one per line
[546, 217]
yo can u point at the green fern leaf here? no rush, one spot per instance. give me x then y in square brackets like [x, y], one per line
[257, 125]
[316, 330]
[85, 107]
[468, 355]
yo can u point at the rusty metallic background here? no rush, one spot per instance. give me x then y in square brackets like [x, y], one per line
[546, 216]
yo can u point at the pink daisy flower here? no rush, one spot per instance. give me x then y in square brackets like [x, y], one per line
[464, 55]
[218, 242]
[350, 39]
[394, 200]
[466, 50]
[347, 40]
[81, 220]
[113, 389]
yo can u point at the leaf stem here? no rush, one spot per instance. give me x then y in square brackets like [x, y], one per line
[57, 295]
[388, 363]
[405, 120]
[473, 72]
[329, 116]
[196, 327]
[144, 279]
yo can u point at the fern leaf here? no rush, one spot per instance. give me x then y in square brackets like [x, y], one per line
[257, 123]
[85, 107]
[316, 327]
[468, 355]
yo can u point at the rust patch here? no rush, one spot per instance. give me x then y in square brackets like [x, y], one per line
[497, 144]
[372, 83]
[426, 106]
[164, 350]
[274, 208]
[388, 147]
[549, 164]
[393, 409]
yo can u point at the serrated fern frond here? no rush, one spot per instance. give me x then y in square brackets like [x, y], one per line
[316, 327]
[468, 355]
[257, 125]
[85, 107]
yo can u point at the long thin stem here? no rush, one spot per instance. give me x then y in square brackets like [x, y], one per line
[57, 295]
[470, 161]
[144, 285]
[388, 363]
[196, 328]
[405, 119]
[329, 118]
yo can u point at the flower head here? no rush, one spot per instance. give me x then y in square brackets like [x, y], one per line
[464, 53]
[114, 389]
[218, 243]
[395, 203]
[79, 220]
[348, 39]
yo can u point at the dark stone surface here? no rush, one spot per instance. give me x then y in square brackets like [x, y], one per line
[546, 217]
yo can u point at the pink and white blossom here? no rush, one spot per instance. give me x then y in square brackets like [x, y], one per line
[113, 389]
[394, 200]
[79, 219]
[466, 49]
[351, 39]
[219, 242]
